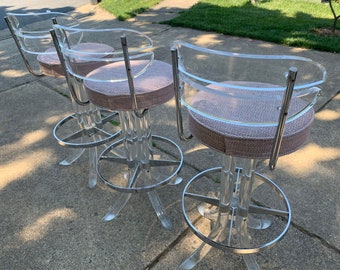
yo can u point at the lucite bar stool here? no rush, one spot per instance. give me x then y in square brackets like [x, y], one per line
[249, 108]
[89, 126]
[129, 81]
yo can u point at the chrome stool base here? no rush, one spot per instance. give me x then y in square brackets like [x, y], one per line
[115, 170]
[73, 130]
[134, 176]
[140, 162]
[86, 130]
[232, 215]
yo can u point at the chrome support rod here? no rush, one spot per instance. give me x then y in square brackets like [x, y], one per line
[282, 118]
[63, 65]
[179, 117]
[130, 79]
[17, 43]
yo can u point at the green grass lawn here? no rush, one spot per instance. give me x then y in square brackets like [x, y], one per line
[290, 22]
[125, 9]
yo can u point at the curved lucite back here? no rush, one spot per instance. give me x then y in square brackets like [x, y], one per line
[244, 89]
[33, 29]
[98, 47]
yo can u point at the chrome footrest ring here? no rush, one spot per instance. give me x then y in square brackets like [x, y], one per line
[217, 227]
[133, 176]
[69, 131]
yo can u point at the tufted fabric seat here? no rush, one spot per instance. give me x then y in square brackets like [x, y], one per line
[247, 141]
[152, 88]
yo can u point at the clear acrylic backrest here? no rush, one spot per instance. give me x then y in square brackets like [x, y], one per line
[238, 82]
[33, 29]
[31, 32]
[98, 47]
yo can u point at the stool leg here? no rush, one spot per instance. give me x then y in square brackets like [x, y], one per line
[117, 207]
[224, 223]
[219, 231]
[147, 154]
[88, 117]
[246, 180]
[195, 257]
[259, 223]
[95, 121]
[136, 133]
[76, 153]
[250, 262]
[158, 207]
[130, 149]
[73, 156]
[123, 197]
[93, 167]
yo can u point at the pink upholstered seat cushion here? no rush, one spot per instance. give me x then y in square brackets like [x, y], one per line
[247, 141]
[50, 64]
[153, 87]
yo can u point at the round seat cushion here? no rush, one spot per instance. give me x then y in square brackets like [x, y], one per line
[152, 87]
[248, 132]
[50, 64]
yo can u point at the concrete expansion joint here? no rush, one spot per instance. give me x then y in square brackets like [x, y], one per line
[315, 236]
